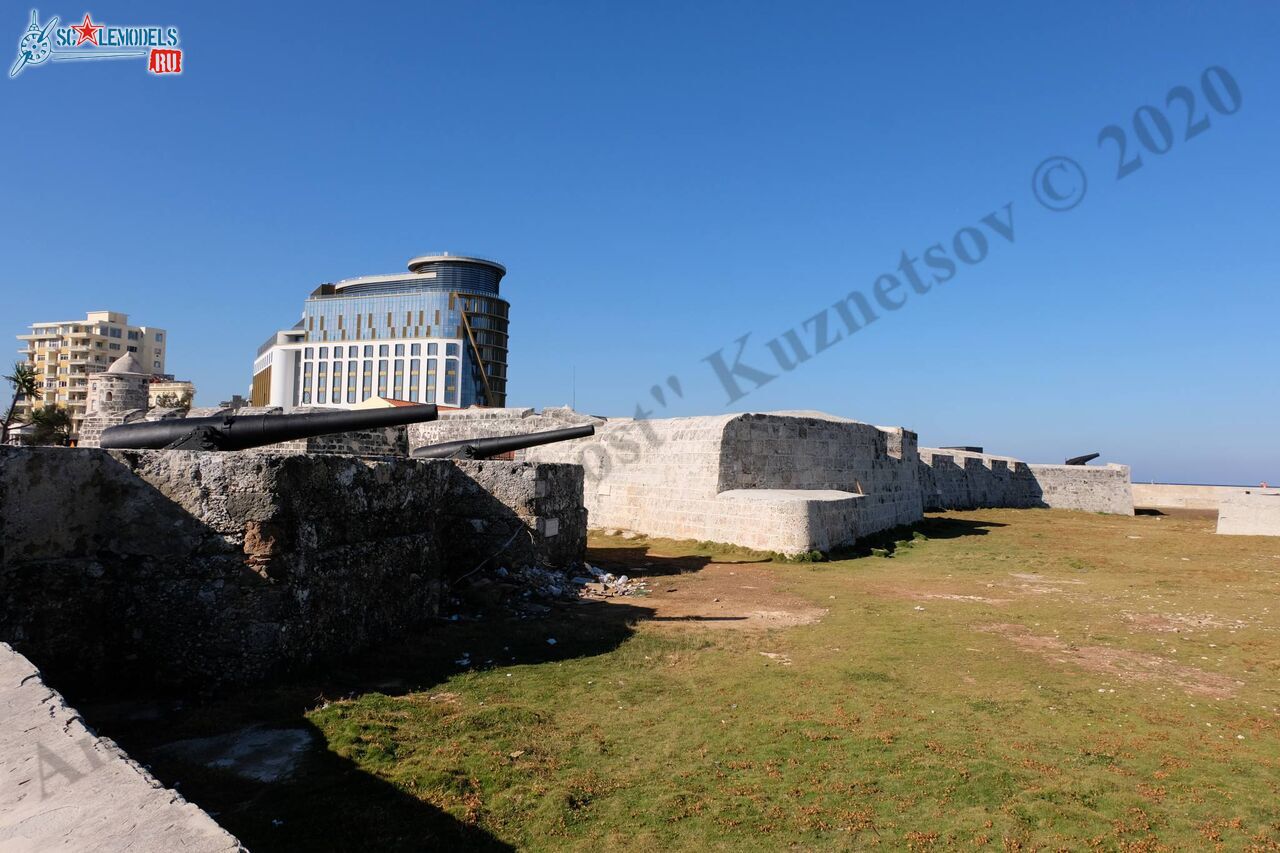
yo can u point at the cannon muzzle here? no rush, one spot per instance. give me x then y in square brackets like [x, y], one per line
[483, 448]
[242, 432]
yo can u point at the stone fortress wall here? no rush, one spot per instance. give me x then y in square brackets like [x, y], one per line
[205, 568]
[1185, 495]
[786, 482]
[957, 479]
[780, 481]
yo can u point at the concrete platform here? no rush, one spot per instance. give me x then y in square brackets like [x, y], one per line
[1253, 513]
[63, 787]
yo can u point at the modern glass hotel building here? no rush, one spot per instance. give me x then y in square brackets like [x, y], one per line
[437, 334]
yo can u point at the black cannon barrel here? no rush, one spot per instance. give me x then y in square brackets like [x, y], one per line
[483, 448]
[242, 432]
[1081, 460]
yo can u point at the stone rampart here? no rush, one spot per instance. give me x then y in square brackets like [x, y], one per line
[1090, 488]
[201, 567]
[779, 481]
[957, 479]
[783, 481]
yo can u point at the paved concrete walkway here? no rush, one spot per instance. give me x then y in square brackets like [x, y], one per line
[63, 787]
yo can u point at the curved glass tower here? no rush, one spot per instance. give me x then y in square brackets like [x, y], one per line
[437, 334]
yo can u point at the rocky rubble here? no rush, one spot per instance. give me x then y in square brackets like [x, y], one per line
[602, 584]
[529, 591]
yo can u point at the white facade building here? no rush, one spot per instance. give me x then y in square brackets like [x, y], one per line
[298, 372]
[435, 334]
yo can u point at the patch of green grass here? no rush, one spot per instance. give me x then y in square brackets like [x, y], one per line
[978, 689]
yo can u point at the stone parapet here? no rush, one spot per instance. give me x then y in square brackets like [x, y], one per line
[205, 567]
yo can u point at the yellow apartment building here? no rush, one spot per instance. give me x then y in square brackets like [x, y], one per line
[66, 352]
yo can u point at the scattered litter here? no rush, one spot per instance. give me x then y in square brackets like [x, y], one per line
[585, 581]
[918, 607]
[551, 641]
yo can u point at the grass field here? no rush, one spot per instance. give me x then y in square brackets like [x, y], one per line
[1019, 679]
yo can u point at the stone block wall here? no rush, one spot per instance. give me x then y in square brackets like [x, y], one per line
[956, 479]
[91, 430]
[780, 481]
[816, 451]
[365, 443]
[515, 514]
[1091, 488]
[1255, 512]
[200, 568]
[783, 481]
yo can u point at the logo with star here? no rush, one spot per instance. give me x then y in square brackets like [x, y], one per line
[87, 32]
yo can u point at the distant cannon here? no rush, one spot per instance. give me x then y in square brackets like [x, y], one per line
[1081, 460]
[483, 448]
[242, 432]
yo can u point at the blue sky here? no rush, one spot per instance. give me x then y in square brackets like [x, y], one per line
[663, 178]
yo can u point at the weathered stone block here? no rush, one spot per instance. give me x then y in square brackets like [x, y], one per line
[200, 567]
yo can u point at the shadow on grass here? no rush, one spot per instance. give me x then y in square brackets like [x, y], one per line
[954, 528]
[636, 561]
[329, 802]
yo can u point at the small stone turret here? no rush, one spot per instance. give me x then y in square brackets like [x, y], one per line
[117, 395]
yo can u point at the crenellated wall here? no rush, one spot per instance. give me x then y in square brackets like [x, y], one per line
[957, 479]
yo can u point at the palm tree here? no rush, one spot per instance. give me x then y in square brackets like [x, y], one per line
[23, 380]
[52, 425]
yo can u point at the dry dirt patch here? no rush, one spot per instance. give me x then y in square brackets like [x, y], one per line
[741, 596]
[1121, 664]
